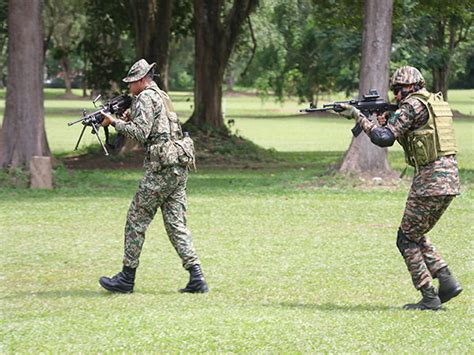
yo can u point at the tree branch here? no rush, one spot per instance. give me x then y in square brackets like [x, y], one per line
[254, 48]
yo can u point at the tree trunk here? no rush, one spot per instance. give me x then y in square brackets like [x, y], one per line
[84, 76]
[152, 24]
[161, 43]
[440, 80]
[67, 76]
[23, 134]
[216, 35]
[363, 156]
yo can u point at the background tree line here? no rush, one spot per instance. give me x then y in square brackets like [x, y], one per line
[301, 48]
[314, 46]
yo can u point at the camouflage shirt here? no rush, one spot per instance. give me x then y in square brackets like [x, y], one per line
[441, 177]
[144, 112]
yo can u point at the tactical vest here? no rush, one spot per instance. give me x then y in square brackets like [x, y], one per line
[435, 138]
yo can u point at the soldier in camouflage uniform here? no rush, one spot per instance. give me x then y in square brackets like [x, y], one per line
[423, 126]
[161, 187]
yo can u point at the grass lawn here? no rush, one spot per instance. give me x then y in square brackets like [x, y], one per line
[297, 260]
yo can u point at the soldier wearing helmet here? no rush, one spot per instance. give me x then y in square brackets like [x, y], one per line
[153, 123]
[423, 126]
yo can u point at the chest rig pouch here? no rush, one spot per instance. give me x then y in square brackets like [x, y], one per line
[173, 148]
[435, 138]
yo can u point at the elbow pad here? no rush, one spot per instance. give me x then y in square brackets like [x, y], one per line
[382, 136]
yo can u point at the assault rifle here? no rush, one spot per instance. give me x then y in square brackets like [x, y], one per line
[370, 104]
[115, 106]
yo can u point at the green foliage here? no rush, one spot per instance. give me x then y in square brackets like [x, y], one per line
[428, 34]
[107, 43]
[306, 49]
[14, 178]
[181, 70]
[462, 74]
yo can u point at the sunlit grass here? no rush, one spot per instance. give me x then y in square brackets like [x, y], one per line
[297, 259]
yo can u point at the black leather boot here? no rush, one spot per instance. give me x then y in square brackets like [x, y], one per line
[449, 287]
[196, 283]
[430, 300]
[123, 282]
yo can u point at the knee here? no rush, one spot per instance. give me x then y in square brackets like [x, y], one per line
[403, 243]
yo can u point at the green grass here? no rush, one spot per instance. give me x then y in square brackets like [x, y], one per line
[297, 260]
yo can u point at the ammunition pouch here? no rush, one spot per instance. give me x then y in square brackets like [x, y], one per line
[172, 153]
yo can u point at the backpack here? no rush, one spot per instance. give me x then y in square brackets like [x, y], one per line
[176, 148]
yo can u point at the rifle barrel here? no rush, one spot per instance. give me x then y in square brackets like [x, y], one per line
[77, 121]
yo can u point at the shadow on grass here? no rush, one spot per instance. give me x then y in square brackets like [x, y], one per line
[330, 307]
[80, 293]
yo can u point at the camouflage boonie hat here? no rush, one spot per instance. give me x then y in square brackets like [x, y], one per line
[138, 71]
[407, 75]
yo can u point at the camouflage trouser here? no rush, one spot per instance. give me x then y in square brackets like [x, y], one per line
[421, 257]
[167, 190]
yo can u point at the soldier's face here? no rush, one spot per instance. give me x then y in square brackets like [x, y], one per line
[397, 91]
[136, 87]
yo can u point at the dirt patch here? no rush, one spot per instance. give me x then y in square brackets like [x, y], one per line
[213, 151]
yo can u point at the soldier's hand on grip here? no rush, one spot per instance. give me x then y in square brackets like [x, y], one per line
[382, 119]
[126, 116]
[108, 119]
[349, 112]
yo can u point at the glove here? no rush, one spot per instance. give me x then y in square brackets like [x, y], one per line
[349, 111]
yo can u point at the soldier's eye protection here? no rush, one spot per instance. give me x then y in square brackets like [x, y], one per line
[396, 89]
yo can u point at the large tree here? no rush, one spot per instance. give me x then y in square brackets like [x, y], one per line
[152, 27]
[363, 156]
[23, 134]
[427, 34]
[217, 26]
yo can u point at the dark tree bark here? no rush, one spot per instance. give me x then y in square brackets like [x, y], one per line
[456, 34]
[215, 38]
[67, 76]
[23, 134]
[363, 156]
[152, 24]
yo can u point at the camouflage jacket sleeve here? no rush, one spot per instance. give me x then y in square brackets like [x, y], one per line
[142, 118]
[366, 124]
[411, 115]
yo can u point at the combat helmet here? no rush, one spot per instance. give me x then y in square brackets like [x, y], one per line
[407, 75]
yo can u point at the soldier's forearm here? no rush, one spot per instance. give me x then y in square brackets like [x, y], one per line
[365, 123]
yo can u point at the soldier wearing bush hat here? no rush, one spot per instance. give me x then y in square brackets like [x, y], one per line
[423, 127]
[138, 71]
[154, 124]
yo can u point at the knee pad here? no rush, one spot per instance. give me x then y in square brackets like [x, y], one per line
[403, 243]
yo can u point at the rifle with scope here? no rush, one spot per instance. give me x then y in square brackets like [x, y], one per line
[371, 103]
[115, 106]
